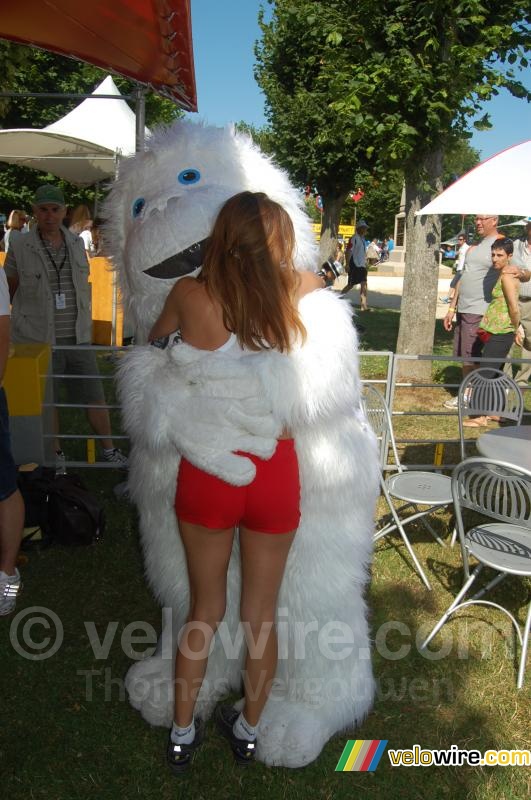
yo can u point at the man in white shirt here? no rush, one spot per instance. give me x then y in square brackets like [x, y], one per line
[11, 502]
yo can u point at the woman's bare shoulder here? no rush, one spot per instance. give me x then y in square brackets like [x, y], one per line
[309, 283]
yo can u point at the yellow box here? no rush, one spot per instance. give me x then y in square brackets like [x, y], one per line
[25, 379]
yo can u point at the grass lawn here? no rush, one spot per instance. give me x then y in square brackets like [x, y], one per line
[68, 731]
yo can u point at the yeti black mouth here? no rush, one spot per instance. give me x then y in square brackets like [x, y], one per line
[181, 263]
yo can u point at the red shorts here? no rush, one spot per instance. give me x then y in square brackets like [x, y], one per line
[270, 504]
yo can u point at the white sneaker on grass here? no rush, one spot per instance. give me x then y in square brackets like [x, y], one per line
[10, 586]
[116, 457]
[454, 402]
[60, 460]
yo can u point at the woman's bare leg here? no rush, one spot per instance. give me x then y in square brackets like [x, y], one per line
[207, 557]
[263, 558]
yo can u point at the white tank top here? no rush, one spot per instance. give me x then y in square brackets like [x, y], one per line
[231, 347]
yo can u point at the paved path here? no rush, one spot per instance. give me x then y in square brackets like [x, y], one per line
[386, 292]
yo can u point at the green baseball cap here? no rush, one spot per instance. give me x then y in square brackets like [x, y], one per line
[48, 194]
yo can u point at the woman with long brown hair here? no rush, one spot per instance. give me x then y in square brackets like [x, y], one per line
[244, 301]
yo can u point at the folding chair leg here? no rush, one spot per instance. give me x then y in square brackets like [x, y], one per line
[452, 607]
[494, 582]
[523, 654]
[414, 557]
[403, 534]
[432, 531]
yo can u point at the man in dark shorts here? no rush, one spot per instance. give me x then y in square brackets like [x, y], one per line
[48, 275]
[357, 268]
[11, 503]
[473, 295]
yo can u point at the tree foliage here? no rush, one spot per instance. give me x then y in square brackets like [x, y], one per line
[298, 60]
[27, 69]
[382, 85]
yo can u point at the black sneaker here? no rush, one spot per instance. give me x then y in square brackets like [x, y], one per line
[244, 750]
[179, 756]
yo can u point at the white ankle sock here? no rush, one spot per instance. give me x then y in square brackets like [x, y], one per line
[11, 578]
[242, 730]
[183, 735]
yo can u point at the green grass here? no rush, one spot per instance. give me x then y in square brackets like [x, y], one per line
[60, 741]
[65, 742]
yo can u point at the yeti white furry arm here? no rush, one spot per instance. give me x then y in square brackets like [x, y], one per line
[319, 378]
[205, 406]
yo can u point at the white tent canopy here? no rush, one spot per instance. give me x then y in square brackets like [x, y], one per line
[82, 146]
[499, 185]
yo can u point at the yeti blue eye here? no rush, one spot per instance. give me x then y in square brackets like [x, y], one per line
[189, 176]
[138, 207]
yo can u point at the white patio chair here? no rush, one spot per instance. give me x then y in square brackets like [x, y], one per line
[487, 391]
[502, 492]
[414, 487]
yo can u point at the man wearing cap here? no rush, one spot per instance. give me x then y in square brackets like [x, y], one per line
[47, 271]
[357, 268]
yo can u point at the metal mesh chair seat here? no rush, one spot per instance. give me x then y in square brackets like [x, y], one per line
[422, 488]
[505, 547]
[414, 487]
[502, 492]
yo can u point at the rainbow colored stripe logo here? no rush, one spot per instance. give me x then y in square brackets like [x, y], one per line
[361, 755]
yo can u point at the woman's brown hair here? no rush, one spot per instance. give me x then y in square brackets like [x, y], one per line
[248, 268]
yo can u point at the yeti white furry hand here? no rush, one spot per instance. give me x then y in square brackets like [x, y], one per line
[206, 408]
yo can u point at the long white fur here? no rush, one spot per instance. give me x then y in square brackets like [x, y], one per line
[315, 391]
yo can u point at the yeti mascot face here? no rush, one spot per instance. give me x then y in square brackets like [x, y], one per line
[165, 201]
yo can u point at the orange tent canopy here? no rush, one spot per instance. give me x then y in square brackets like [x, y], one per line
[149, 41]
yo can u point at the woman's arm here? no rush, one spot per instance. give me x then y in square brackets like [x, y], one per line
[510, 292]
[168, 321]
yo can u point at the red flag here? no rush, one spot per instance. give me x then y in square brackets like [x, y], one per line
[356, 196]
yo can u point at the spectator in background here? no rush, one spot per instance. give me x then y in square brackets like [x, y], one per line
[97, 237]
[47, 271]
[522, 258]
[390, 244]
[373, 252]
[472, 296]
[15, 223]
[11, 502]
[357, 268]
[332, 268]
[81, 224]
[462, 248]
[499, 326]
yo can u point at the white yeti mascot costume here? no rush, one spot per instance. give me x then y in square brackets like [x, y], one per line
[205, 406]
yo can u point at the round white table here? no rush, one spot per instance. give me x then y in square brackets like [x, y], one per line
[512, 444]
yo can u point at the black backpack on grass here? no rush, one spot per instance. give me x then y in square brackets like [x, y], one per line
[61, 507]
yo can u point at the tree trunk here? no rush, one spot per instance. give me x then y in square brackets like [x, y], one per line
[419, 294]
[332, 205]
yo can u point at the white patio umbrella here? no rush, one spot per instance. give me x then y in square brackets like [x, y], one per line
[499, 185]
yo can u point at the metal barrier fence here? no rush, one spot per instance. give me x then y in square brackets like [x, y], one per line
[379, 368]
